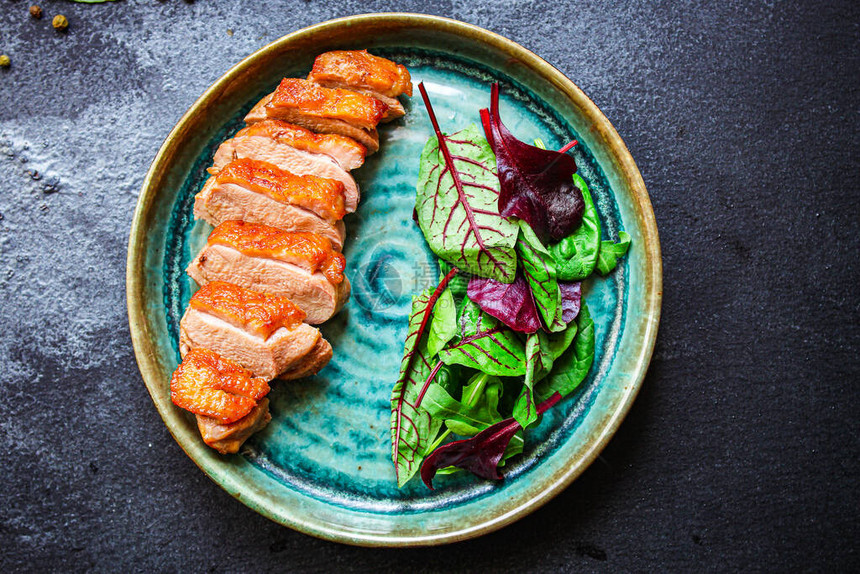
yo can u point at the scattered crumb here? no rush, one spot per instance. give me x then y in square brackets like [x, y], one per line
[229, 31]
[5, 61]
[36, 12]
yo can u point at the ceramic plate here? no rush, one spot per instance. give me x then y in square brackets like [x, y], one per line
[323, 464]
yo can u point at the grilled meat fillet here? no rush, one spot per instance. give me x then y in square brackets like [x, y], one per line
[284, 156]
[258, 192]
[323, 110]
[227, 438]
[311, 364]
[363, 72]
[348, 153]
[261, 332]
[300, 266]
[207, 384]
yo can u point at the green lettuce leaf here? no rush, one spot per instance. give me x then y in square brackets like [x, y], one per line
[610, 252]
[576, 254]
[443, 327]
[477, 411]
[559, 342]
[538, 363]
[571, 368]
[539, 270]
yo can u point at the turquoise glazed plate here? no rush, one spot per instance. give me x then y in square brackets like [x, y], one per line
[323, 464]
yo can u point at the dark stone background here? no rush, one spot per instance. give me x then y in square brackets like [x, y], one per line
[741, 450]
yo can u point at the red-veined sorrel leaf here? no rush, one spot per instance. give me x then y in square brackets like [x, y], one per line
[457, 203]
[485, 345]
[412, 429]
[536, 183]
[511, 303]
[481, 453]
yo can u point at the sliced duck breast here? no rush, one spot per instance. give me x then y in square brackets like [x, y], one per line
[323, 110]
[207, 384]
[300, 266]
[259, 192]
[311, 364]
[261, 332]
[363, 72]
[285, 157]
[227, 438]
[347, 152]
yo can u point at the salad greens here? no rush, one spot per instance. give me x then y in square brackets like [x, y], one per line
[456, 206]
[480, 454]
[610, 252]
[535, 182]
[505, 334]
[576, 254]
[412, 429]
[511, 303]
[485, 346]
[539, 270]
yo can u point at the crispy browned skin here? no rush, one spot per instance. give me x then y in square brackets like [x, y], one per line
[261, 313]
[264, 110]
[323, 196]
[209, 385]
[308, 250]
[348, 152]
[359, 69]
[307, 97]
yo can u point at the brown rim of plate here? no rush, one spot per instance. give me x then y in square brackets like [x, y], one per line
[145, 352]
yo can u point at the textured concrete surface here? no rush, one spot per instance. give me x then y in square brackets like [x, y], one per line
[741, 452]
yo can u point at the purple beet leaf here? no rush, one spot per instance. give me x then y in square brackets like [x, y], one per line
[510, 303]
[481, 453]
[571, 295]
[536, 184]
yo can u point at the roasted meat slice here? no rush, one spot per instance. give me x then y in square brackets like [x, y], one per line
[284, 156]
[300, 266]
[258, 192]
[363, 72]
[323, 110]
[311, 364]
[347, 152]
[207, 384]
[227, 438]
[261, 332]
